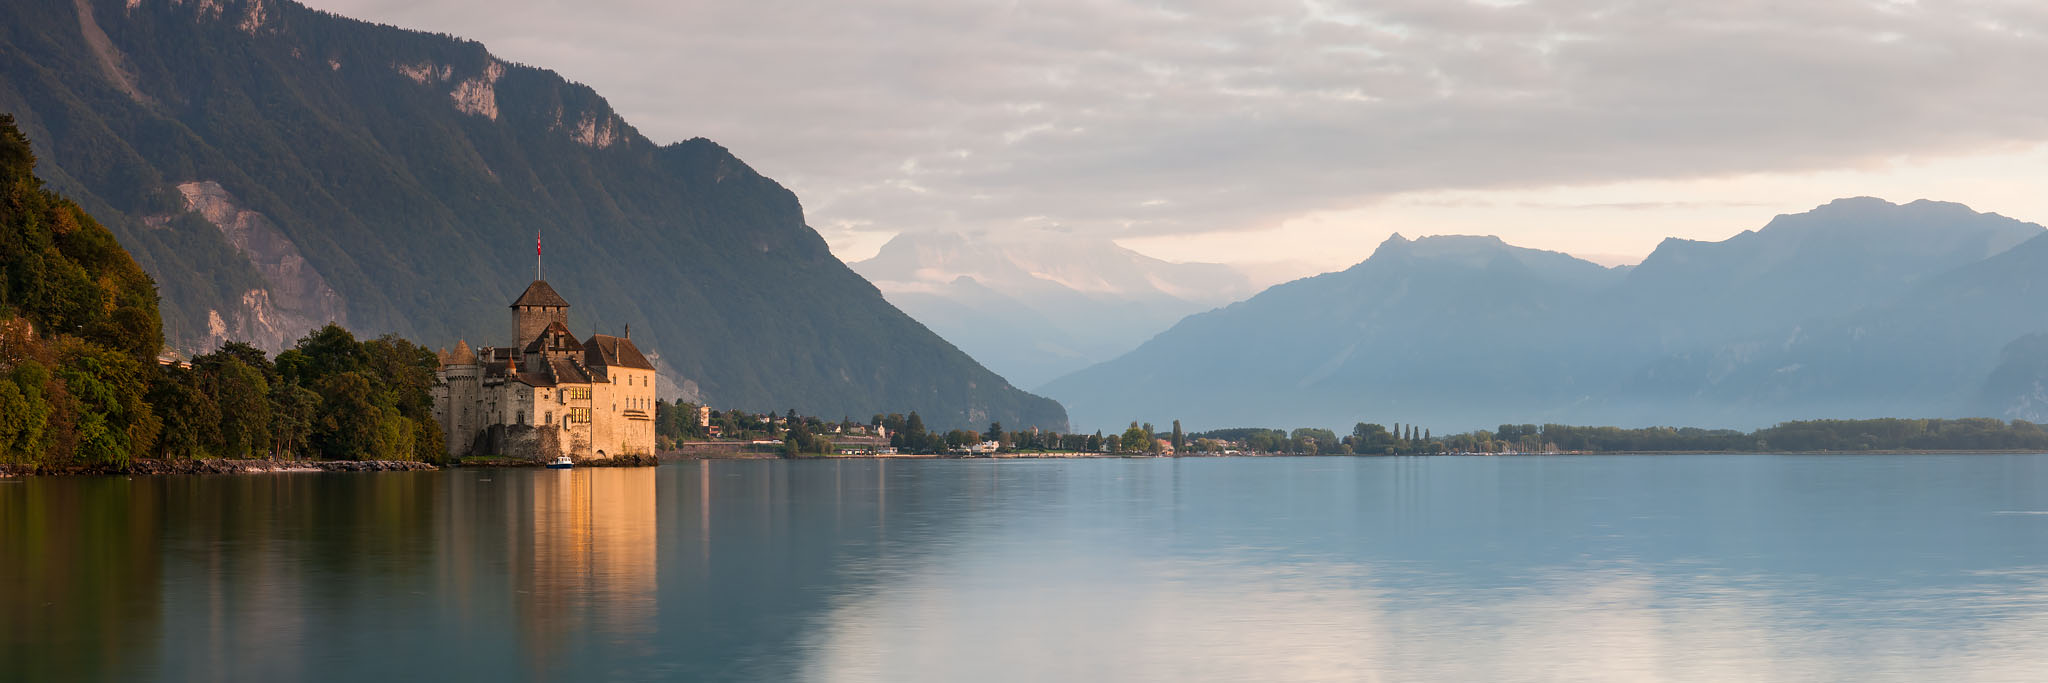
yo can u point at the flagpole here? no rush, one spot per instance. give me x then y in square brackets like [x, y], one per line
[536, 255]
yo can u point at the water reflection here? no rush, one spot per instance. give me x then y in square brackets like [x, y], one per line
[78, 592]
[588, 560]
[1666, 568]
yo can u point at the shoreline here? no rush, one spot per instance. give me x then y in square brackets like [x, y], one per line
[1151, 456]
[212, 466]
[225, 466]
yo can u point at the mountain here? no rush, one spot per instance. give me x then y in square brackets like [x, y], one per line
[276, 167]
[1858, 308]
[1845, 255]
[1036, 305]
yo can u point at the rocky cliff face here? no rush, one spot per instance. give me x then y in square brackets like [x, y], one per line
[294, 299]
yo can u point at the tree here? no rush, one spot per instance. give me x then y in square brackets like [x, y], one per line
[1179, 440]
[1136, 438]
[243, 399]
[292, 408]
[191, 418]
[348, 424]
[994, 433]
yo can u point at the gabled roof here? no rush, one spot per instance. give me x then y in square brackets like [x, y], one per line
[569, 342]
[540, 294]
[535, 379]
[607, 350]
[566, 372]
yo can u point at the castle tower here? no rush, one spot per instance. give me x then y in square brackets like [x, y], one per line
[534, 310]
[461, 378]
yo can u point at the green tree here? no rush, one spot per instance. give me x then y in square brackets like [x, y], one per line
[348, 426]
[1137, 439]
[191, 418]
[292, 414]
[243, 400]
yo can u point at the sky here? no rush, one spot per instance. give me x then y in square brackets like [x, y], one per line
[1299, 135]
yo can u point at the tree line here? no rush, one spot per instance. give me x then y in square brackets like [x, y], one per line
[80, 383]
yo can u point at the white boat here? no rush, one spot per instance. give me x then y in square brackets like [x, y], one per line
[561, 463]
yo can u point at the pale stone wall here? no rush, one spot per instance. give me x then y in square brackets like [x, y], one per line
[625, 412]
[555, 407]
[456, 406]
[604, 414]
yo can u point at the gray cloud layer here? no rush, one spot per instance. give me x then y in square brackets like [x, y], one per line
[1162, 117]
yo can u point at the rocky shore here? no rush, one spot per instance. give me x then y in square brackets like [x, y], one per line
[212, 466]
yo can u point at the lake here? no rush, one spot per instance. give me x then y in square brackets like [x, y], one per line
[1593, 568]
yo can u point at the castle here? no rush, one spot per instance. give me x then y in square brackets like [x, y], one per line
[548, 394]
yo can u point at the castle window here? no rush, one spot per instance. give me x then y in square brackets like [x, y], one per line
[579, 415]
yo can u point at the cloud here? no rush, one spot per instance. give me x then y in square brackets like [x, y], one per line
[1136, 119]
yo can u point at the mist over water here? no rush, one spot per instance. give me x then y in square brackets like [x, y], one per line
[1706, 568]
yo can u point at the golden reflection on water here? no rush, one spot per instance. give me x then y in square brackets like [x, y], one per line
[591, 560]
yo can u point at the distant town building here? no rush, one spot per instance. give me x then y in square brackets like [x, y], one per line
[548, 394]
[703, 416]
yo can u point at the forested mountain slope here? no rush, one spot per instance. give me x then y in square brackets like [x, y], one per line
[275, 168]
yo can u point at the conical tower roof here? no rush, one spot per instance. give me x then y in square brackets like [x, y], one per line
[462, 354]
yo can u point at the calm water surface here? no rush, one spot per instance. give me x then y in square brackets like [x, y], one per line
[1705, 568]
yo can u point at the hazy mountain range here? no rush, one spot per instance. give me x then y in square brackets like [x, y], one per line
[276, 167]
[1859, 308]
[1037, 305]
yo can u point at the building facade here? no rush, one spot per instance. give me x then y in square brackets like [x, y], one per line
[548, 394]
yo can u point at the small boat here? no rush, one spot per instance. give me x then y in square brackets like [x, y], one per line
[561, 463]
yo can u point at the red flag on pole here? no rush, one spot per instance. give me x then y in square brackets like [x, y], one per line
[536, 244]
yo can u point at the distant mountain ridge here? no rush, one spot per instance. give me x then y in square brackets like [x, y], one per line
[1036, 305]
[1858, 308]
[275, 167]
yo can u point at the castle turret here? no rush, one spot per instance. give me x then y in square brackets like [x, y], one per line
[456, 398]
[538, 306]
